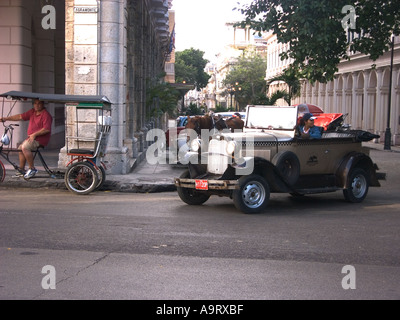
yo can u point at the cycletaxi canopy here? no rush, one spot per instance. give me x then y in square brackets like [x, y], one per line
[82, 101]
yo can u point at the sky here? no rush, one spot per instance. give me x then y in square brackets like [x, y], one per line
[200, 24]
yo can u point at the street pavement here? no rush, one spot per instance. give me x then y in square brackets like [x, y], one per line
[148, 178]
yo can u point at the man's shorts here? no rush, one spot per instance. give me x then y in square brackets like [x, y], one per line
[31, 146]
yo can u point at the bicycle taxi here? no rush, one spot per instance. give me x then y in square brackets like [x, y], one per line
[87, 131]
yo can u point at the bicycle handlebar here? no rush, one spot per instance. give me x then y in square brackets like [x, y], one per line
[12, 125]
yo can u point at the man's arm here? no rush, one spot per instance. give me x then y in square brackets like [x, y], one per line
[16, 117]
[315, 133]
[41, 132]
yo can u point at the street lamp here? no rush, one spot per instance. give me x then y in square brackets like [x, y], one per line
[237, 103]
[388, 134]
[231, 91]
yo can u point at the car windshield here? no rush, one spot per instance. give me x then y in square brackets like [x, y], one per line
[271, 117]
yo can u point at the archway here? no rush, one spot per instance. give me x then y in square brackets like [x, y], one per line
[339, 95]
[358, 110]
[384, 91]
[348, 99]
[371, 112]
[330, 97]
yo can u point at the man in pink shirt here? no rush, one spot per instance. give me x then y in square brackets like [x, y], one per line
[39, 133]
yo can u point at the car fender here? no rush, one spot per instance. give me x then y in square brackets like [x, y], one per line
[271, 173]
[356, 160]
[292, 175]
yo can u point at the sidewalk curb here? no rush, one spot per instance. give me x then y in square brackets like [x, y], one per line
[144, 180]
[109, 185]
[137, 187]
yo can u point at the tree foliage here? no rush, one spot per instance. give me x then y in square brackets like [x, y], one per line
[291, 78]
[193, 110]
[189, 67]
[161, 98]
[248, 74]
[313, 29]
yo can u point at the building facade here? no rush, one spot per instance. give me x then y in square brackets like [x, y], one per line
[242, 39]
[115, 48]
[32, 57]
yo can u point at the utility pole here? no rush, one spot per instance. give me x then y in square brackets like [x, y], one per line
[388, 134]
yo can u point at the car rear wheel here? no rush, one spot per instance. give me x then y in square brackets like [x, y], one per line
[358, 185]
[253, 194]
[191, 196]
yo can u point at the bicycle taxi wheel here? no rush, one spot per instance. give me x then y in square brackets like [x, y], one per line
[101, 174]
[81, 178]
[2, 172]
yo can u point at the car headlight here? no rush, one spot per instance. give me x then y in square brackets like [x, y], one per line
[195, 145]
[230, 147]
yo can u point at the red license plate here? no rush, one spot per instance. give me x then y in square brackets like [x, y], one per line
[201, 184]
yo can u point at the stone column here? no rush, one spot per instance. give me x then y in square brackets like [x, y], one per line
[342, 96]
[112, 77]
[367, 102]
[95, 62]
[334, 107]
[330, 89]
[322, 96]
[357, 102]
[347, 96]
[16, 56]
[395, 112]
[396, 104]
[378, 124]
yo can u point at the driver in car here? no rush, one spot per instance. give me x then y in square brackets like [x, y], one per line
[307, 129]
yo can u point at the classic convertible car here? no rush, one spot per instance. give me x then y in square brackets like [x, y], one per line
[270, 156]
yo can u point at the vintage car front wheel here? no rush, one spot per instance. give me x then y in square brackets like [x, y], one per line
[253, 194]
[358, 185]
[191, 196]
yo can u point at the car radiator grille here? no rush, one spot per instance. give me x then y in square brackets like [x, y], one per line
[218, 159]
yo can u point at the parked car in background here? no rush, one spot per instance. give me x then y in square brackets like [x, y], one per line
[173, 132]
[230, 114]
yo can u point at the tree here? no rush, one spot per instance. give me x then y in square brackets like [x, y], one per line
[262, 99]
[248, 74]
[161, 98]
[193, 110]
[189, 68]
[291, 78]
[317, 30]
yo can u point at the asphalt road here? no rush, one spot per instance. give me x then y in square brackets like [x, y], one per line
[153, 246]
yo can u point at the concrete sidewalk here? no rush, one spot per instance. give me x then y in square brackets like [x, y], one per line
[145, 178]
